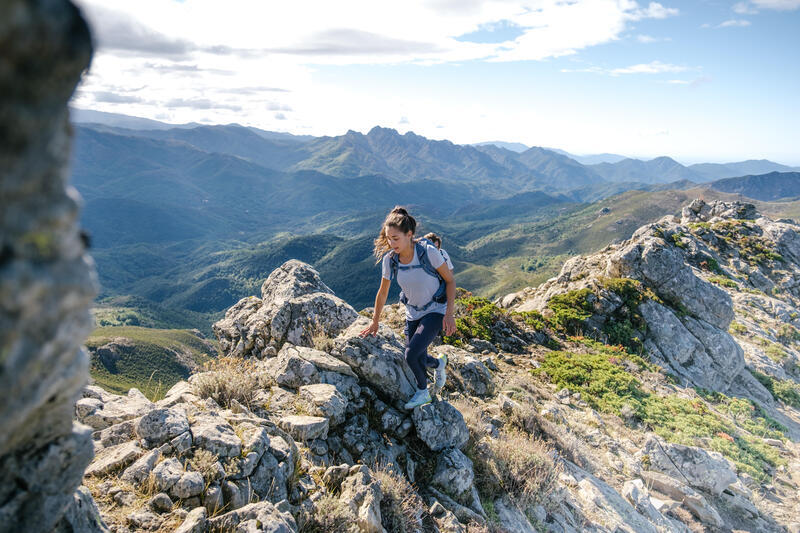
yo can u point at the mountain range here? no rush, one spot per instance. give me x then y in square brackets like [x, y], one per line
[186, 220]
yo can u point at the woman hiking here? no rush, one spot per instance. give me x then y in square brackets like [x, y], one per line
[428, 292]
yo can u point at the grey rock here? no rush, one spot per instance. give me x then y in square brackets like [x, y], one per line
[326, 401]
[213, 500]
[440, 425]
[144, 520]
[195, 522]
[511, 518]
[82, 515]
[699, 468]
[272, 518]
[116, 434]
[294, 304]
[114, 458]
[140, 470]
[347, 385]
[363, 494]
[190, 484]
[213, 433]
[100, 414]
[167, 473]
[160, 425]
[47, 280]
[378, 359]
[471, 373]
[237, 493]
[290, 370]
[453, 474]
[160, 503]
[305, 428]
[321, 360]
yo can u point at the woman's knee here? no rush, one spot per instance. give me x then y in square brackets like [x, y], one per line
[410, 355]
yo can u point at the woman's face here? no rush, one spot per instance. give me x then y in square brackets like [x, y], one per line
[398, 240]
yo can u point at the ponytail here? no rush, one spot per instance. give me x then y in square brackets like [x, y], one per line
[397, 218]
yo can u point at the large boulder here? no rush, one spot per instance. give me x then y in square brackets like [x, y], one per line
[440, 425]
[47, 280]
[377, 359]
[470, 374]
[295, 306]
[160, 425]
[701, 353]
[699, 468]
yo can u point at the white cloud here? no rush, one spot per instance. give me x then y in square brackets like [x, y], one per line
[654, 67]
[734, 23]
[779, 5]
[646, 39]
[214, 60]
[752, 7]
[744, 8]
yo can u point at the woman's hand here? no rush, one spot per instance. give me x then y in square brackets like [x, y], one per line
[372, 329]
[448, 324]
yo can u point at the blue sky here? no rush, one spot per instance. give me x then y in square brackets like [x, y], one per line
[698, 81]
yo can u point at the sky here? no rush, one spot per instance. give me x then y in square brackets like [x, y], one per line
[699, 81]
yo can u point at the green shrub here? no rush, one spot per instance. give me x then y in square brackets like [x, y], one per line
[737, 328]
[570, 309]
[784, 390]
[722, 280]
[475, 317]
[533, 319]
[677, 240]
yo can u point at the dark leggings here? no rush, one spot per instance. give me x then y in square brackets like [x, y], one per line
[419, 334]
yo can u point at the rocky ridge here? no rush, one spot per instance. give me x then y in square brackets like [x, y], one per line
[300, 427]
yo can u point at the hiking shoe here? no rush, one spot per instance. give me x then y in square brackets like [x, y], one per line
[421, 397]
[440, 374]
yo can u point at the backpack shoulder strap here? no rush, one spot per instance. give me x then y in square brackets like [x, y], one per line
[393, 265]
[422, 255]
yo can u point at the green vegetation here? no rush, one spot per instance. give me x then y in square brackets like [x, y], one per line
[784, 390]
[677, 240]
[737, 328]
[474, 319]
[752, 247]
[787, 333]
[151, 360]
[733, 426]
[725, 282]
[570, 309]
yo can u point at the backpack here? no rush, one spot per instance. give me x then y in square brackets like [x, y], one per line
[421, 245]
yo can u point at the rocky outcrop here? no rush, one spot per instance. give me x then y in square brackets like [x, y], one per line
[295, 306]
[685, 316]
[47, 280]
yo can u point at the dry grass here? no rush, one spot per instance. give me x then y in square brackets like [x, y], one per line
[204, 462]
[328, 515]
[114, 514]
[230, 378]
[517, 463]
[402, 510]
[320, 339]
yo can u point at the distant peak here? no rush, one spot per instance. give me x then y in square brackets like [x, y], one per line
[380, 129]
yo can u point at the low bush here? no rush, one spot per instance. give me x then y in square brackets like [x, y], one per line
[230, 378]
[784, 390]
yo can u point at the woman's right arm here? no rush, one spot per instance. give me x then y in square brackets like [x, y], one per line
[380, 300]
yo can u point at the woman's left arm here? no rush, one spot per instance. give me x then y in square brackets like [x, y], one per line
[449, 322]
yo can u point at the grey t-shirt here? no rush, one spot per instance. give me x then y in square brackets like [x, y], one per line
[418, 286]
